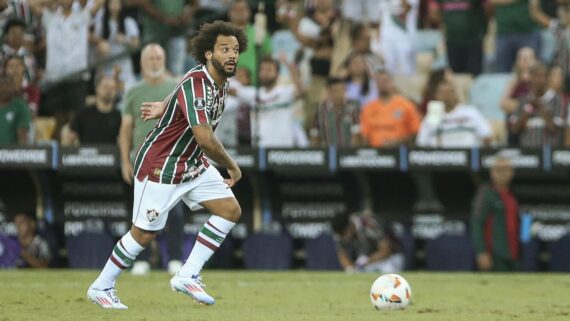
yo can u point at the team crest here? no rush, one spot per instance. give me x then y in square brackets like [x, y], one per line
[152, 215]
[199, 103]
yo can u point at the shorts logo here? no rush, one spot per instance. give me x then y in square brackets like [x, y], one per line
[152, 215]
[199, 103]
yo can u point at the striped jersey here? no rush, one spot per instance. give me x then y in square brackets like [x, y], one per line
[170, 154]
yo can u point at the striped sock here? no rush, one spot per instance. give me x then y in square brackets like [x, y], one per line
[122, 256]
[209, 239]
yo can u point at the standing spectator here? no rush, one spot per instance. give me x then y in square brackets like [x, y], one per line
[515, 30]
[495, 221]
[365, 245]
[361, 44]
[337, 121]
[454, 126]
[540, 118]
[15, 68]
[165, 22]
[360, 86]
[67, 44]
[154, 86]
[390, 120]
[275, 124]
[117, 34]
[317, 31]
[14, 32]
[15, 117]
[35, 252]
[465, 25]
[98, 124]
[398, 35]
[240, 15]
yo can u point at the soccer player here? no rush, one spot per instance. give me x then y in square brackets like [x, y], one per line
[171, 165]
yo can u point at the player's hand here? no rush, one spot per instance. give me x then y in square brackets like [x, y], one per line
[235, 176]
[484, 262]
[127, 172]
[151, 110]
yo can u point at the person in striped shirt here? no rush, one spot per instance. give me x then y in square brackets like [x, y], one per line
[171, 165]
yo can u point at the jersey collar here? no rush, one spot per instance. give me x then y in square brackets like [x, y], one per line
[205, 69]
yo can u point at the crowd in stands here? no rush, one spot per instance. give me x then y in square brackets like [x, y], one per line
[433, 73]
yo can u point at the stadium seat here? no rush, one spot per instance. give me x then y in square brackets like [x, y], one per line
[89, 250]
[321, 253]
[486, 93]
[266, 251]
[9, 251]
[559, 254]
[450, 253]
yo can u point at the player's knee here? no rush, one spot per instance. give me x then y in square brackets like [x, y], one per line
[143, 237]
[234, 213]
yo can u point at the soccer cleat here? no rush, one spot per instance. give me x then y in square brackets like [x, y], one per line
[107, 298]
[193, 287]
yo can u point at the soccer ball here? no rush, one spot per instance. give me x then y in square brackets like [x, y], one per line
[389, 292]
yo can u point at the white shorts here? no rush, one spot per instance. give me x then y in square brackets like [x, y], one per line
[153, 201]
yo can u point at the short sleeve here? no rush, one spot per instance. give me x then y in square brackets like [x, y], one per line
[131, 28]
[127, 107]
[191, 98]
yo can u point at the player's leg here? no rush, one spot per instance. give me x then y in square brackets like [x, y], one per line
[150, 212]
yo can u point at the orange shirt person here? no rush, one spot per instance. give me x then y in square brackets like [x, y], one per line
[390, 120]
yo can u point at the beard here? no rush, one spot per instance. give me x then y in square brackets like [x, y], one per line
[268, 82]
[154, 74]
[219, 67]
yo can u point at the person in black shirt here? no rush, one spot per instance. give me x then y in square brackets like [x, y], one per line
[98, 124]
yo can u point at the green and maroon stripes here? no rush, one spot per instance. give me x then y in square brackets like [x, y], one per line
[210, 236]
[121, 257]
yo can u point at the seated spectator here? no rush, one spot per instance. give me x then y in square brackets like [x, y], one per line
[15, 117]
[540, 118]
[434, 78]
[117, 34]
[464, 26]
[451, 124]
[14, 32]
[275, 124]
[515, 30]
[99, 124]
[390, 120]
[398, 35]
[364, 245]
[495, 221]
[360, 86]
[35, 252]
[337, 121]
[14, 68]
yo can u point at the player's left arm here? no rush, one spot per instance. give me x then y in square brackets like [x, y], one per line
[153, 110]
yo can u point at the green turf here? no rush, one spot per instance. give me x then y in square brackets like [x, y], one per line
[60, 295]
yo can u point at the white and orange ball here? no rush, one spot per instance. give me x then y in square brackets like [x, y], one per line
[390, 292]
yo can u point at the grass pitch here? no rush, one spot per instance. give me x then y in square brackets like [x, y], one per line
[311, 296]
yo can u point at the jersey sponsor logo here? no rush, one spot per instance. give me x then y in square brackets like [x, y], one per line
[152, 215]
[199, 103]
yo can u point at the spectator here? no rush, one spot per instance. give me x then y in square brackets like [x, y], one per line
[390, 120]
[358, 11]
[14, 32]
[337, 121]
[240, 15]
[99, 124]
[515, 30]
[465, 25]
[15, 116]
[361, 45]
[275, 124]
[360, 86]
[154, 86]
[67, 35]
[495, 221]
[35, 252]
[165, 22]
[450, 124]
[364, 245]
[540, 118]
[14, 68]
[398, 35]
[117, 34]
[317, 30]
[434, 78]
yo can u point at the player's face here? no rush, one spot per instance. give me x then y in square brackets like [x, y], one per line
[502, 172]
[268, 73]
[225, 56]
